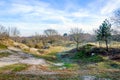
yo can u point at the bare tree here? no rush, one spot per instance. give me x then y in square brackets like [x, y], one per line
[116, 17]
[3, 32]
[9, 32]
[77, 36]
[14, 33]
[51, 35]
[50, 32]
[116, 22]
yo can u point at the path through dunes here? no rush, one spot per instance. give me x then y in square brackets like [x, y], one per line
[19, 57]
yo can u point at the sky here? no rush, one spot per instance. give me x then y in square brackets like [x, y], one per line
[31, 16]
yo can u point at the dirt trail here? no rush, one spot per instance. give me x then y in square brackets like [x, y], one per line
[17, 56]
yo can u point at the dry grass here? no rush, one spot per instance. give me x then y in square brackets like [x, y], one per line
[113, 44]
[7, 42]
[50, 54]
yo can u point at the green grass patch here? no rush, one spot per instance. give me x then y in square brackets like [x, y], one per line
[84, 54]
[3, 46]
[72, 66]
[4, 54]
[95, 58]
[14, 67]
[84, 58]
[65, 66]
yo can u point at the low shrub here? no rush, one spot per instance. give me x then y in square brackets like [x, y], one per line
[39, 45]
[80, 54]
[84, 58]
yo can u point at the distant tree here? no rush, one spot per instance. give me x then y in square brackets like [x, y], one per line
[37, 37]
[51, 34]
[116, 22]
[14, 33]
[3, 32]
[65, 34]
[9, 32]
[116, 35]
[104, 32]
[116, 17]
[77, 36]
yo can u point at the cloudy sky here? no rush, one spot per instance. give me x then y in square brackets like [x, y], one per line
[32, 16]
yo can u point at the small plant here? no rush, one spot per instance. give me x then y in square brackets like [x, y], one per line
[71, 66]
[67, 65]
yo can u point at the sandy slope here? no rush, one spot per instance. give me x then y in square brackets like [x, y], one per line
[18, 56]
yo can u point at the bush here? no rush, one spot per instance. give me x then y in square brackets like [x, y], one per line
[80, 54]
[83, 55]
[84, 51]
[39, 45]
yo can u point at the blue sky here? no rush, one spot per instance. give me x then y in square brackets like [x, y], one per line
[32, 16]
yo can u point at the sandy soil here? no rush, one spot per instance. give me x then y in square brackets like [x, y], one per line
[18, 56]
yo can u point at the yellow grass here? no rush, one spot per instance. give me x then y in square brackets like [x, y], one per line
[112, 44]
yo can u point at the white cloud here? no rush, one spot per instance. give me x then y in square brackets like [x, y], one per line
[20, 8]
[34, 13]
[110, 6]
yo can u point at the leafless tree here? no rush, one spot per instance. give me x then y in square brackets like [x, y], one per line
[77, 36]
[116, 22]
[116, 17]
[50, 32]
[51, 35]
[3, 32]
[13, 32]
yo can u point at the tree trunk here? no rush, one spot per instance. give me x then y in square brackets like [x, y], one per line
[100, 44]
[106, 42]
[77, 45]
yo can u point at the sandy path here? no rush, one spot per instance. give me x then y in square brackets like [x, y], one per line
[20, 57]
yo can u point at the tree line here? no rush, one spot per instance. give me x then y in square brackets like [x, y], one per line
[8, 32]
